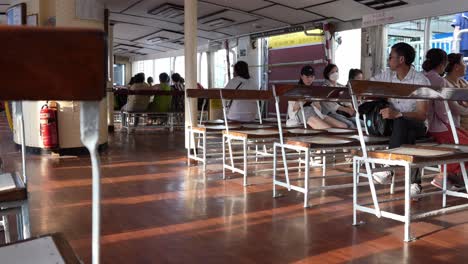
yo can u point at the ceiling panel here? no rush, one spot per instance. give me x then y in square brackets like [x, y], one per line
[160, 36]
[211, 34]
[299, 3]
[115, 17]
[122, 41]
[241, 5]
[130, 32]
[143, 7]
[174, 46]
[154, 47]
[288, 15]
[259, 25]
[417, 2]
[223, 19]
[118, 5]
[3, 8]
[341, 10]
[151, 50]
[122, 49]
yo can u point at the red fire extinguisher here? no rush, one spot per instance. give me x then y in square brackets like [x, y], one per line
[48, 127]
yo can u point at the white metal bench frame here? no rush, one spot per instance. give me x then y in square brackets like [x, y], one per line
[407, 217]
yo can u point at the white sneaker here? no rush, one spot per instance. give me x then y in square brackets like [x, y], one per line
[382, 177]
[415, 189]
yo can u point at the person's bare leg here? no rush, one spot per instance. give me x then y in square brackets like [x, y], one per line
[317, 123]
[332, 122]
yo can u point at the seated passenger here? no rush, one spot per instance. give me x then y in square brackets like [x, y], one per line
[177, 82]
[340, 112]
[121, 99]
[162, 103]
[355, 74]
[242, 110]
[178, 85]
[312, 111]
[137, 103]
[408, 115]
[150, 81]
[439, 127]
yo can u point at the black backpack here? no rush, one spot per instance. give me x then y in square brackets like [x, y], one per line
[375, 123]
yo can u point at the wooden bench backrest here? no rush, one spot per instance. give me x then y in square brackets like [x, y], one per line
[407, 91]
[149, 92]
[229, 94]
[312, 93]
[52, 63]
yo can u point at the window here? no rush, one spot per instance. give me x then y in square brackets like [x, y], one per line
[148, 68]
[179, 66]
[414, 33]
[442, 33]
[160, 66]
[411, 32]
[119, 74]
[137, 66]
[220, 68]
[203, 70]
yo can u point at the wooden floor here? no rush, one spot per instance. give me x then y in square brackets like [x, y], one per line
[157, 210]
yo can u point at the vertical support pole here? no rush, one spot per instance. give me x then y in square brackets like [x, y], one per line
[355, 182]
[259, 109]
[26, 224]
[244, 143]
[303, 116]
[204, 151]
[451, 122]
[202, 111]
[280, 129]
[275, 160]
[190, 52]
[19, 226]
[407, 237]
[306, 179]
[324, 166]
[19, 112]
[110, 80]
[223, 143]
[444, 187]
[6, 229]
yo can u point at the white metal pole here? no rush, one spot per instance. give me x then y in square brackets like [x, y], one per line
[451, 122]
[190, 40]
[457, 39]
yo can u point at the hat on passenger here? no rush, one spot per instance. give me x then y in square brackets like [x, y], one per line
[308, 71]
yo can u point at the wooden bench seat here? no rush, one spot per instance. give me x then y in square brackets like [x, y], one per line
[334, 130]
[220, 128]
[258, 126]
[254, 134]
[420, 154]
[304, 132]
[336, 141]
[12, 188]
[42, 250]
[323, 141]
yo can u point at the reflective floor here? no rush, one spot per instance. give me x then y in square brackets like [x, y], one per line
[155, 209]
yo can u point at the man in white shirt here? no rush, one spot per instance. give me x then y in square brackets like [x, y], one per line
[408, 115]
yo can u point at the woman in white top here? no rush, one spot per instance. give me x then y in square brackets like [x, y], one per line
[339, 112]
[242, 110]
[312, 111]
